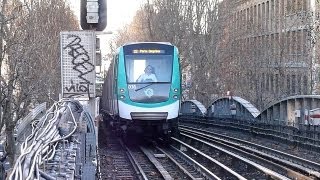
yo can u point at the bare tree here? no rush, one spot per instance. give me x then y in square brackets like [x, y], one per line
[30, 56]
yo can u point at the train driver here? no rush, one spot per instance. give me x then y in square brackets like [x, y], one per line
[148, 76]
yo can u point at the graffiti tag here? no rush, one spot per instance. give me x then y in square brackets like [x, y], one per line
[79, 86]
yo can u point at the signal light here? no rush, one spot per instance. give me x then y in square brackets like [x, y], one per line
[93, 14]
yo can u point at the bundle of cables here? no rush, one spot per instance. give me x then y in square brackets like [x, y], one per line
[40, 146]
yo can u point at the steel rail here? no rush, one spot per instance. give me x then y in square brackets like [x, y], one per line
[307, 166]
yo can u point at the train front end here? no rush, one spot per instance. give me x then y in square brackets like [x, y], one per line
[151, 105]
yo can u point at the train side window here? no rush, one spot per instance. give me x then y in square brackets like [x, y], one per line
[115, 75]
[116, 67]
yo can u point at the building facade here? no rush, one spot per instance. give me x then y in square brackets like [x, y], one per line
[272, 47]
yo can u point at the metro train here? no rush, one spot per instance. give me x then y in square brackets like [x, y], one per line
[142, 90]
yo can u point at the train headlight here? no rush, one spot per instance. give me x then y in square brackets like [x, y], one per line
[122, 90]
[122, 97]
[175, 90]
[175, 97]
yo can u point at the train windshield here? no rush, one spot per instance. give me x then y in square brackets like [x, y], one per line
[148, 68]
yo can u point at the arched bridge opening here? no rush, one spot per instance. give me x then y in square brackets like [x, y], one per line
[233, 107]
[293, 111]
[193, 108]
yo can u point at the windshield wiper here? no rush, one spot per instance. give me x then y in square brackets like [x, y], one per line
[149, 84]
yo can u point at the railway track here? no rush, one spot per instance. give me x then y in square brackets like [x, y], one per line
[147, 160]
[198, 154]
[190, 169]
[114, 161]
[168, 163]
[264, 161]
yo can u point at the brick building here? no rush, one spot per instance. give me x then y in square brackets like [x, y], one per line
[271, 47]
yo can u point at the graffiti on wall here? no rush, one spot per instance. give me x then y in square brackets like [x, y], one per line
[78, 68]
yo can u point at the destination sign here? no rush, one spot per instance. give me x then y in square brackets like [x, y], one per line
[148, 51]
